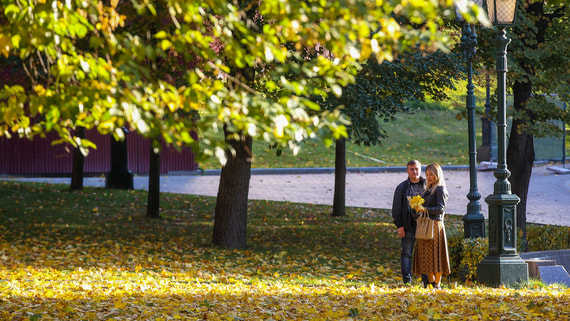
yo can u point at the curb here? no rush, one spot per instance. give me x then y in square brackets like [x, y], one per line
[315, 170]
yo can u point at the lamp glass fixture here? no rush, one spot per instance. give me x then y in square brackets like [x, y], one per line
[501, 12]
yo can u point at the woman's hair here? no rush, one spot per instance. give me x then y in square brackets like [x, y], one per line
[436, 170]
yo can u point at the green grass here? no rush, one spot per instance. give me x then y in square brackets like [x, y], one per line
[432, 133]
[45, 211]
[429, 135]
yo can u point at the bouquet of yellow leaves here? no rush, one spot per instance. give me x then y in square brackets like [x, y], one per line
[416, 203]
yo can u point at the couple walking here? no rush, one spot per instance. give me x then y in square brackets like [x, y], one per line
[430, 258]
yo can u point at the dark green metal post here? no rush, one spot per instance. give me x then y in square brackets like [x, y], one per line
[484, 152]
[502, 265]
[473, 221]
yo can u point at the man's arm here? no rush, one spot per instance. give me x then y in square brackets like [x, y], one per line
[397, 206]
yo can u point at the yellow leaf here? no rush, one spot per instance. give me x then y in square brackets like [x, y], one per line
[120, 304]
[416, 202]
[5, 45]
[412, 307]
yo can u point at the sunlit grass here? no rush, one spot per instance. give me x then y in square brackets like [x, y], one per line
[431, 135]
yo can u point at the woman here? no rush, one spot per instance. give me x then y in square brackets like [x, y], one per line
[431, 257]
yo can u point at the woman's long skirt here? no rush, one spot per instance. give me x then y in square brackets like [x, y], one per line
[432, 256]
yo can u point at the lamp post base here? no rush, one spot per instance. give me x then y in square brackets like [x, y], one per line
[503, 266]
[474, 226]
[502, 270]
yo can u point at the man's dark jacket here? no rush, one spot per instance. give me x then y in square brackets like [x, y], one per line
[401, 212]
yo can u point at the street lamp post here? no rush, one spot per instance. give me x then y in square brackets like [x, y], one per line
[484, 152]
[502, 265]
[473, 221]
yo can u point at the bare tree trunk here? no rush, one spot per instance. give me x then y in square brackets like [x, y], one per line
[153, 204]
[78, 163]
[339, 203]
[230, 217]
[520, 156]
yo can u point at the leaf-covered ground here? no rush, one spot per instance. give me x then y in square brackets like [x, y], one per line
[91, 255]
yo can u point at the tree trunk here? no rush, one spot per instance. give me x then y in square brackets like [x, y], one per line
[119, 177]
[78, 163]
[230, 213]
[339, 202]
[153, 204]
[230, 216]
[520, 156]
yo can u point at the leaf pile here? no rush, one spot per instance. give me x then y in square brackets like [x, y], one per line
[91, 255]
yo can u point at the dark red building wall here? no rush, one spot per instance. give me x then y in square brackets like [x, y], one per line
[39, 157]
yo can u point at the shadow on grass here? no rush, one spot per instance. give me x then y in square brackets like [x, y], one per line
[92, 255]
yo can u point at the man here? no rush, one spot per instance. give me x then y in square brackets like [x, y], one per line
[404, 218]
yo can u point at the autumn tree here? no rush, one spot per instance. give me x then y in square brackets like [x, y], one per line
[538, 66]
[231, 205]
[380, 92]
[88, 69]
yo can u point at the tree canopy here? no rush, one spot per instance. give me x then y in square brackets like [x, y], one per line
[164, 68]
[537, 55]
[383, 90]
[538, 64]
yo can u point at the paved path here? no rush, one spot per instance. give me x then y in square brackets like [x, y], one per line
[548, 198]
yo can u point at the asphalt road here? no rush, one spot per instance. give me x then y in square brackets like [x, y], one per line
[548, 198]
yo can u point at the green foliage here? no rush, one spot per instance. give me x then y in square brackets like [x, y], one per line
[155, 66]
[466, 254]
[384, 90]
[455, 248]
[538, 56]
[473, 252]
[545, 237]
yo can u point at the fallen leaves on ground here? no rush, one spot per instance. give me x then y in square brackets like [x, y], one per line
[302, 265]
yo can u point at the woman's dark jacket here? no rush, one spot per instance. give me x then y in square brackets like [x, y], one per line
[436, 202]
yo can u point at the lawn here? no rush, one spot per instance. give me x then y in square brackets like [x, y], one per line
[92, 255]
[408, 138]
[447, 143]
